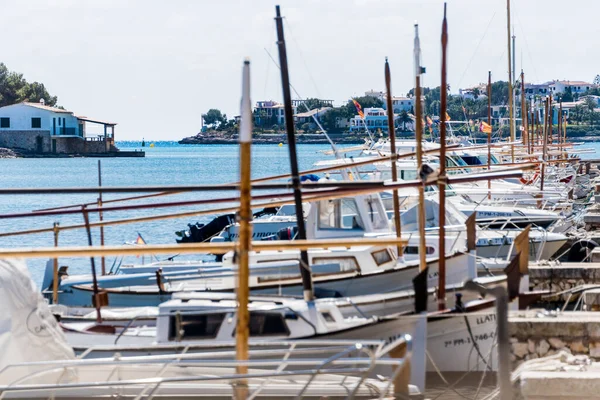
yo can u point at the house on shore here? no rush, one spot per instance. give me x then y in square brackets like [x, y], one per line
[38, 128]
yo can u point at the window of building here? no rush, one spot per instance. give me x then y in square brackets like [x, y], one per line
[4, 122]
[36, 122]
[201, 326]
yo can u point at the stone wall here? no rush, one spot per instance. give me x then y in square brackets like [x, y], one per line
[37, 141]
[75, 145]
[563, 277]
[534, 336]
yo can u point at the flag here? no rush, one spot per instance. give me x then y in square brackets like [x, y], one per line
[140, 239]
[485, 127]
[358, 109]
[447, 116]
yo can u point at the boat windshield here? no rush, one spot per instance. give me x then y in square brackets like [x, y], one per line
[339, 214]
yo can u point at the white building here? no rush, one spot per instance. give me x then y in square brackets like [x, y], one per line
[577, 87]
[270, 112]
[401, 104]
[376, 118]
[30, 116]
[41, 128]
[541, 89]
[308, 116]
[474, 93]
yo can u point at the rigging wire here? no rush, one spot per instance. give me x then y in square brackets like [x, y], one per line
[289, 28]
[268, 65]
[535, 74]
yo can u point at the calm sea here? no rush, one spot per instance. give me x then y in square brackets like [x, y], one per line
[167, 163]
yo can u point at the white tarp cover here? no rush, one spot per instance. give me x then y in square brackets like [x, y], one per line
[28, 331]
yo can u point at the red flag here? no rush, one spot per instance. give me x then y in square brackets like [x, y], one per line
[358, 109]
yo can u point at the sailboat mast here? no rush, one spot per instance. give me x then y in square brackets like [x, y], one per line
[243, 316]
[419, 140]
[289, 123]
[392, 132]
[489, 138]
[510, 85]
[442, 175]
[524, 122]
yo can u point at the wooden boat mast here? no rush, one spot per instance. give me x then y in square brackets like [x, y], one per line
[289, 123]
[392, 132]
[242, 332]
[524, 119]
[419, 138]
[489, 137]
[442, 174]
[510, 83]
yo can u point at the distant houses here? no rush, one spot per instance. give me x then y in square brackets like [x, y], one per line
[557, 87]
[38, 128]
[268, 113]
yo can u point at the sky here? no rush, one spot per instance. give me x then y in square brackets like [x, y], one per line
[155, 66]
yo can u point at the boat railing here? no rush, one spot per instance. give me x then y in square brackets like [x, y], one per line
[342, 358]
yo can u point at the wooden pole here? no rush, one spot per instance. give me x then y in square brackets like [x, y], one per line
[242, 332]
[392, 131]
[97, 302]
[545, 143]
[442, 175]
[559, 122]
[193, 248]
[510, 83]
[100, 216]
[289, 123]
[55, 268]
[565, 129]
[524, 114]
[550, 118]
[419, 139]
[489, 138]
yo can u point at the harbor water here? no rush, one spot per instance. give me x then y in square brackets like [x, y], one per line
[166, 163]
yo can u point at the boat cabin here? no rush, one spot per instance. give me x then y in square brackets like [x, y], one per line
[187, 319]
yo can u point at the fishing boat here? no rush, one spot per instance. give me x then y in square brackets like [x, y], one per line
[36, 361]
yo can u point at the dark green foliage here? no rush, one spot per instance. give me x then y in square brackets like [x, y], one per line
[567, 95]
[14, 89]
[214, 117]
[403, 119]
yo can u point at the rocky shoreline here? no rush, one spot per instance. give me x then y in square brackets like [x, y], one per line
[9, 153]
[303, 138]
[276, 138]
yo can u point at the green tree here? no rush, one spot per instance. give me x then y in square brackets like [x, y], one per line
[214, 117]
[404, 118]
[14, 89]
[500, 92]
[310, 104]
[365, 102]
[576, 114]
[567, 94]
[591, 105]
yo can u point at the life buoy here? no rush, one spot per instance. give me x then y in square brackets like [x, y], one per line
[529, 181]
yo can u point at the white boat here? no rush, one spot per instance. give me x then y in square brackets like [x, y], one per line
[352, 271]
[37, 362]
